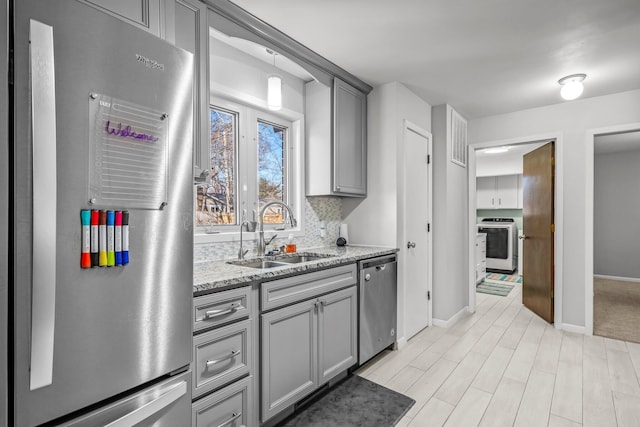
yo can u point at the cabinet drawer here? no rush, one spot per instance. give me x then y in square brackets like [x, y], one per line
[298, 288]
[221, 307]
[228, 407]
[220, 356]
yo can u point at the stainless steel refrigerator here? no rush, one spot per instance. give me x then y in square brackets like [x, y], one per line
[101, 120]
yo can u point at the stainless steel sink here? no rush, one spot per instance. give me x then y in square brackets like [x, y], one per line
[278, 261]
[260, 263]
[296, 259]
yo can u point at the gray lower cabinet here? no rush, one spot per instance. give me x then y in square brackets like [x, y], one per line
[289, 356]
[305, 345]
[229, 407]
[225, 359]
[337, 333]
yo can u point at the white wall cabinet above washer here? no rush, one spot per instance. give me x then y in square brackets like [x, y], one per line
[499, 192]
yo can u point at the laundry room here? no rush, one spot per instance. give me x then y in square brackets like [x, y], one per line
[499, 211]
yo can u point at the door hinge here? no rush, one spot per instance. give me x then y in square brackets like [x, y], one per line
[428, 227]
[428, 159]
[553, 228]
[428, 295]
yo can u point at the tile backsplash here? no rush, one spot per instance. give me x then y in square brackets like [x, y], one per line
[316, 209]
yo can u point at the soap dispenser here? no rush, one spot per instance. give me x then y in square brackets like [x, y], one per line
[290, 247]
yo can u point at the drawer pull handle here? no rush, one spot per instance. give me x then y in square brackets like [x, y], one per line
[234, 416]
[231, 355]
[215, 313]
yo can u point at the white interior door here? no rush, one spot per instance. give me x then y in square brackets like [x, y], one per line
[415, 243]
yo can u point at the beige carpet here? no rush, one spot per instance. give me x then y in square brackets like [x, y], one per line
[616, 309]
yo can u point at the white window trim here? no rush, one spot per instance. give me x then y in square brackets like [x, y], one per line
[248, 117]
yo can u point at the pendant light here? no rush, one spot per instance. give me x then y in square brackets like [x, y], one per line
[274, 87]
[572, 86]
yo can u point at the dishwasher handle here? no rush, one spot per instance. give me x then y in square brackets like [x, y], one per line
[377, 262]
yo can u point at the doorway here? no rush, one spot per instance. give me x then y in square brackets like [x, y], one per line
[475, 166]
[616, 232]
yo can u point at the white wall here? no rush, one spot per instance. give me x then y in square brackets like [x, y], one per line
[499, 164]
[375, 219]
[238, 76]
[571, 120]
[616, 203]
[450, 216]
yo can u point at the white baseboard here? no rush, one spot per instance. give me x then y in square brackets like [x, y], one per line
[573, 328]
[621, 279]
[452, 320]
[400, 343]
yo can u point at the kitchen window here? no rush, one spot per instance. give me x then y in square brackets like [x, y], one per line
[254, 160]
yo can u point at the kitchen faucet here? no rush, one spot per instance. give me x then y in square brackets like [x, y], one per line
[251, 226]
[261, 243]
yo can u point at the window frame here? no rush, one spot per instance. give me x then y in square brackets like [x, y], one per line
[247, 172]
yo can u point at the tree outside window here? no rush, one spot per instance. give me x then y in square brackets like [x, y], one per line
[217, 198]
[271, 170]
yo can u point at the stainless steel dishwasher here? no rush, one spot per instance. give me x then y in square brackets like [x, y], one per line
[378, 305]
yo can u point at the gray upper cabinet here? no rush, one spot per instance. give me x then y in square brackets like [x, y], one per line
[336, 140]
[349, 140]
[145, 14]
[192, 34]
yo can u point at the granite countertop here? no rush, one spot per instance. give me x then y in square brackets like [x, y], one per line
[214, 276]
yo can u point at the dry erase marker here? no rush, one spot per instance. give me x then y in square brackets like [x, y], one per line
[125, 237]
[111, 259]
[102, 239]
[94, 238]
[85, 258]
[118, 231]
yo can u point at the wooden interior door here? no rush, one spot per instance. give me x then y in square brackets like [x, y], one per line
[538, 229]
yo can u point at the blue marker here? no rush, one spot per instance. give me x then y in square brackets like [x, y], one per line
[125, 237]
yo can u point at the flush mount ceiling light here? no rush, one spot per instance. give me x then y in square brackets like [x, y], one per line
[274, 87]
[572, 86]
[496, 150]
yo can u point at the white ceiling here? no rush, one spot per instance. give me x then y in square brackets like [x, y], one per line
[617, 142]
[509, 163]
[482, 57]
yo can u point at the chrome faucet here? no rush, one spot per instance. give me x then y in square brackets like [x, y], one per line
[251, 226]
[261, 243]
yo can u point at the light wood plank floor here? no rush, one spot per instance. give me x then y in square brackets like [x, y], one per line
[504, 366]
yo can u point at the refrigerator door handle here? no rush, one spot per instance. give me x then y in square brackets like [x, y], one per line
[145, 411]
[43, 123]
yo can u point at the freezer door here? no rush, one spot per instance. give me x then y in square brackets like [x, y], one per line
[167, 404]
[82, 336]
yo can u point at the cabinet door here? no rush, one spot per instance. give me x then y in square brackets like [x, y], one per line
[486, 192]
[289, 356]
[191, 34]
[337, 333]
[349, 140]
[143, 14]
[507, 191]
